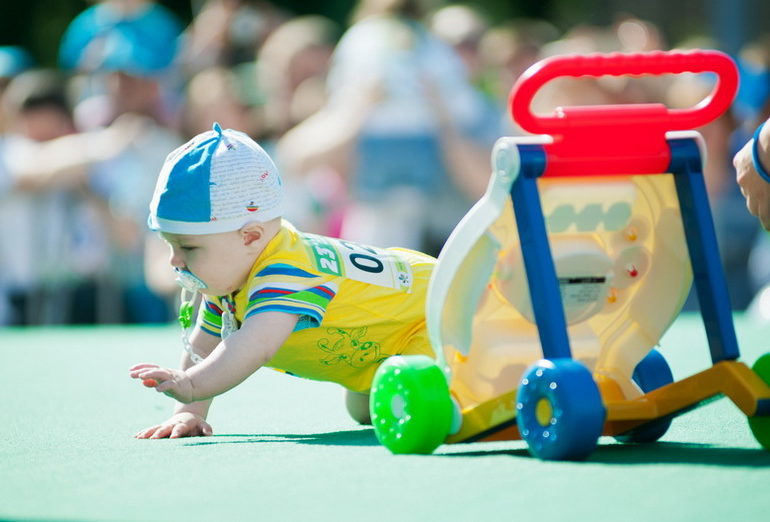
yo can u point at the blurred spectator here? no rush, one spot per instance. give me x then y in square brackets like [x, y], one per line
[505, 52]
[628, 35]
[386, 135]
[639, 36]
[126, 182]
[52, 244]
[753, 194]
[136, 36]
[752, 106]
[569, 91]
[736, 229]
[403, 126]
[463, 27]
[686, 91]
[124, 52]
[126, 55]
[291, 74]
[291, 70]
[14, 60]
[753, 62]
[219, 94]
[225, 33]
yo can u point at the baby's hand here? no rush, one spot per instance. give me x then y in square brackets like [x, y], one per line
[174, 383]
[180, 425]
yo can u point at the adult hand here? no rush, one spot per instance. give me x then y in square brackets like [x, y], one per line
[183, 424]
[754, 188]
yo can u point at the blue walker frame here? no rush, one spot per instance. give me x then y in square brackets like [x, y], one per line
[708, 274]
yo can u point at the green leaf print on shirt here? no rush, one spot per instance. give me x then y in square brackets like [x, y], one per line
[350, 347]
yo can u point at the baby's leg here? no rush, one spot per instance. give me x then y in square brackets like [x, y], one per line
[358, 406]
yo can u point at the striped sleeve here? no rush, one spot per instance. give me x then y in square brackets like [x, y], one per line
[285, 288]
[210, 317]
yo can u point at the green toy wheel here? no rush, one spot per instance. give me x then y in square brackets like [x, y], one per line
[410, 404]
[760, 426]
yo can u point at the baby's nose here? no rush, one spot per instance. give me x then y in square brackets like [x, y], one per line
[176, 260]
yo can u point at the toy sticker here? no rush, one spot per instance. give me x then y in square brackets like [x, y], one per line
[363, 263]
[581, 290]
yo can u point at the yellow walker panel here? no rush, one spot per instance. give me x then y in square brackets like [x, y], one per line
[551, 294]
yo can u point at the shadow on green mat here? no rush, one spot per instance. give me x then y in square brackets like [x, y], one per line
[622, 454]
[658, 453]
[362, 437]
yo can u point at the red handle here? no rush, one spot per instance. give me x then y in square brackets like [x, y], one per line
[618, 139]
[619, 64]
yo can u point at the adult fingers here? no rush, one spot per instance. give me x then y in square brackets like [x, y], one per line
[765, 222]
[763, 212]
[743, 156]
[752, 205]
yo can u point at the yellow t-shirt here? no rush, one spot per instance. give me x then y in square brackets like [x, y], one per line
[357, 304]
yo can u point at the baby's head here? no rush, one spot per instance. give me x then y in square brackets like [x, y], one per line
[217, 202]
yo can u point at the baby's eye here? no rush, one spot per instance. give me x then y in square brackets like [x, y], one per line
[188, 248]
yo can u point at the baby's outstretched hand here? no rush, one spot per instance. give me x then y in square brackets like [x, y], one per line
[183, 424]
[174, 383]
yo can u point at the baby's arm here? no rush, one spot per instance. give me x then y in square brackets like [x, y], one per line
[231, 362]
[188, 420]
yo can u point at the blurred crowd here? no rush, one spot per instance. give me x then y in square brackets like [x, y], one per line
[382, 130]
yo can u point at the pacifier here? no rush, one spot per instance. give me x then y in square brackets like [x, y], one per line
[189, 281]
[191, 285]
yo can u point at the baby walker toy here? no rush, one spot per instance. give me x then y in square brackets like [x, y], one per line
[552, 292]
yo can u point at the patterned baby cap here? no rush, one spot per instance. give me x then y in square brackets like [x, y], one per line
[216, 182]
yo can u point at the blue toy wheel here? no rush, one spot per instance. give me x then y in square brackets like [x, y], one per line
[651, 373]
[559, 410]
[410, 405]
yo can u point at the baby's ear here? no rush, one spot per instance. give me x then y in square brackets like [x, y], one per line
[252, 232]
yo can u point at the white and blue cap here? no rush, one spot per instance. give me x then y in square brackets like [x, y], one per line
[216, 182]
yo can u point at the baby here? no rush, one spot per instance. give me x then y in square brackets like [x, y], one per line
[312, 306]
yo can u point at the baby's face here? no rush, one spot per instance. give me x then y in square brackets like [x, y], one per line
[222, 261]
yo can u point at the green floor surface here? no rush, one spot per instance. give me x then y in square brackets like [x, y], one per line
[285, 450]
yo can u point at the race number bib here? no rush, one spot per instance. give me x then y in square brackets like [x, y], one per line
[363, 263]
